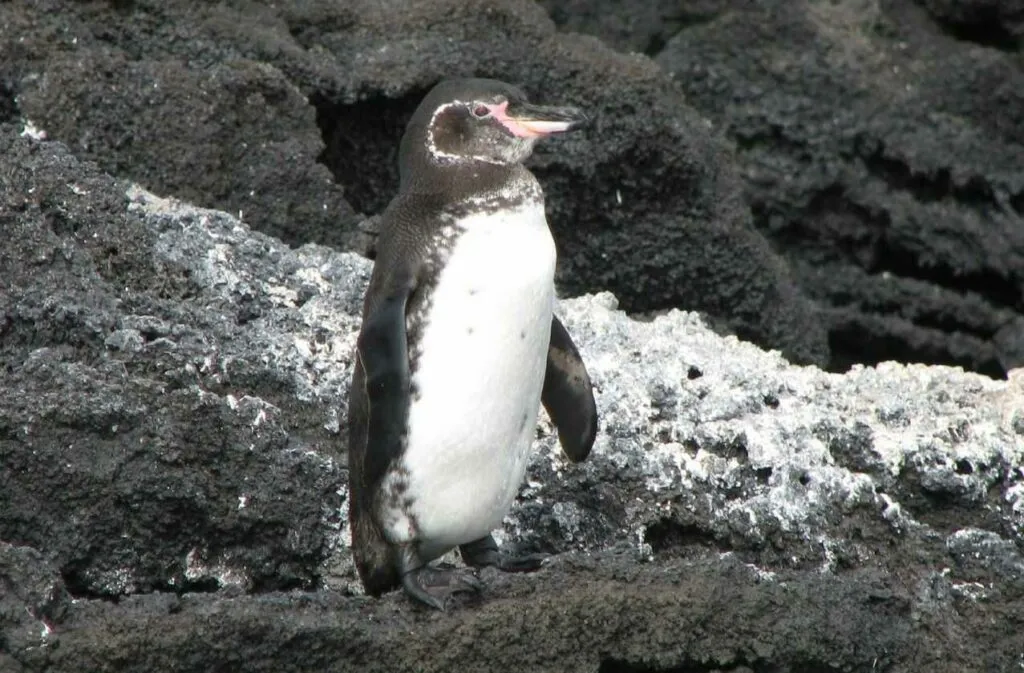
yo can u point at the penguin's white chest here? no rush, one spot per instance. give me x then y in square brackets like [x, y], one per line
[479, 370]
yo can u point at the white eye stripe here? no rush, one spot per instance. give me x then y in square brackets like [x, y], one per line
[507, 154]
[440, 154]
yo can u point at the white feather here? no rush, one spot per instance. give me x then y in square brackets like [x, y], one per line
[480, 373]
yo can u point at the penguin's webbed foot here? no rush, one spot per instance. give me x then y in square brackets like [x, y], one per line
[435, 586]
[484, 553]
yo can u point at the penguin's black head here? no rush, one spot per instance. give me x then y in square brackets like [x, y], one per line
[478, 123]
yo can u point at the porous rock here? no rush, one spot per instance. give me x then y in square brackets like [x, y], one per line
[880, 151]
[879, 144]
[244, 107]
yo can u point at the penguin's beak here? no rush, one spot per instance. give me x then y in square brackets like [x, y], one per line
[534, 121]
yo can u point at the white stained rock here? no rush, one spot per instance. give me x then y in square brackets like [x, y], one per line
[705, 432]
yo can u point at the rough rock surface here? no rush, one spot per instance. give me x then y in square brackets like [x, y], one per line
[144, 418]
[880, 144]
[232, 105]
[172, 476]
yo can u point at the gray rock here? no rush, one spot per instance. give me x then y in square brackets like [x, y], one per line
[882, 155]
[879, 144]
[160, 403]
[33, 599]
[737, 511]
[240, 107]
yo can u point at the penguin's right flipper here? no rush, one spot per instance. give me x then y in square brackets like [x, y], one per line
[568, 395]
[383, 352]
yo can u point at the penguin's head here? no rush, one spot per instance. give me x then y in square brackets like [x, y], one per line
[475, 123]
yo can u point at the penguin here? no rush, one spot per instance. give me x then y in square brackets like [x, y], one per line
[459, 346]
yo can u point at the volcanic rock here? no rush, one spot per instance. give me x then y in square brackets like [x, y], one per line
[244, 107]
[172, 476]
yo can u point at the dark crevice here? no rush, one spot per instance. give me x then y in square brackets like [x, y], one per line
[975, 193]
[866, 244]
[79, 587]
[310, 32]
[851, 343]
[949, 324]
[858, 237]
[964, 466]
[864, 239]
[668, 534]
[273, 584]
[996, 289]
[735, 448]
[655, 44]
[361, 145]
[985, 28]
[123, 6]
[8, 107]
[771, 138]
[673, 24]
[1016, 202]
[202, 585]
[946, 507]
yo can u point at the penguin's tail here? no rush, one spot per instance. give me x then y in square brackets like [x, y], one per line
[374, 557]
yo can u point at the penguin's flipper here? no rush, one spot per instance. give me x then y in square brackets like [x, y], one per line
[384, 359]
[568, 395]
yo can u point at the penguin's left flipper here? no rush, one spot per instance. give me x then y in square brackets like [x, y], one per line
[383, 355]
[568, 395]
[484, 552]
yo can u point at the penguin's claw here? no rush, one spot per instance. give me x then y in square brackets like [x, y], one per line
[522, 564]
[484, 553]
[434, 587]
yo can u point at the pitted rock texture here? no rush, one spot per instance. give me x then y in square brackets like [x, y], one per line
[254, 108]
[879, 145]
[172, 476]
[151, 432]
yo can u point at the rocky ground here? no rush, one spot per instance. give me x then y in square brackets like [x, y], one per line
[832, 180]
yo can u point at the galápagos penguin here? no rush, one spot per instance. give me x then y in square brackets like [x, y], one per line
[459, 345]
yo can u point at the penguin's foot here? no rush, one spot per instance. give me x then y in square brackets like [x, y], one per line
[484, 553]
[436, 586]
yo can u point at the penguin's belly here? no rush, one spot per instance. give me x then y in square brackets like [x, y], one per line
[479, 370]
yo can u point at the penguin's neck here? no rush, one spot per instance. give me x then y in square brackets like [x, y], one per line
[456, 182]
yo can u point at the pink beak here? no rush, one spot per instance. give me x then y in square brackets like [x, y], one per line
[536, 121]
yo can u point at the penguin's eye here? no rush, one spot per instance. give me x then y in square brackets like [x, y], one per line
[481, 111]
